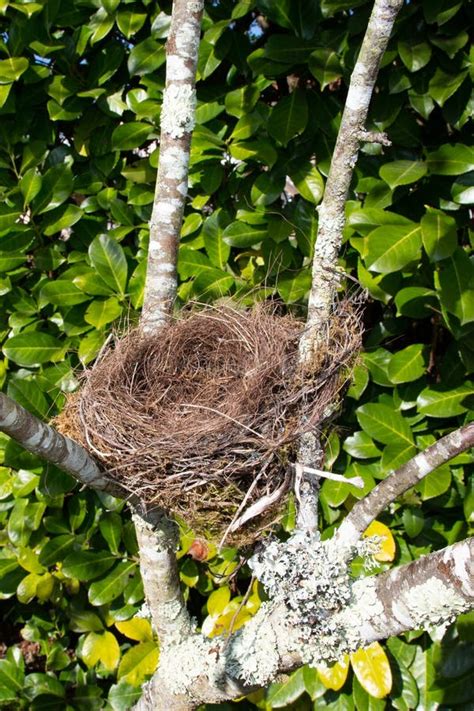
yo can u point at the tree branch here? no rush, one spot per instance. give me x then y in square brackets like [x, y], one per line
[158, 543]
[325, 280]
[430, 591]
[44, 441]
[177, 123]
[399, 481]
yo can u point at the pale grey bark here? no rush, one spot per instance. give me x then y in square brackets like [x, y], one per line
[44, 441]
[158, 543]
[326, 278]
[397, 482]
[177, 122]
[428, 592]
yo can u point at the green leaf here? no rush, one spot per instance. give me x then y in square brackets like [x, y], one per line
[288, 49]
[241, 101]
[440, 401]
[456, 286]
[12, 68]
[28, 394]
[384, 423]
[43, 684]
[259, 150]
[294, 287]
[415, 301]
[101, 648]
[324, 64]
[99, 313]
[33, 348]
[435, 483]
[213, 229]
[191, 263]
[8, 217]
[451, 159]
[361, 446]
[110, 526]
[30, 185]
[146, 57]
[123, 696]
[394, 455]
[240, 234]
[109, 588]
[308, 181]
[407, 365]
[130, 22]
[61, 218]
[12, 677]
[87, 565]
[462, 190]
[402, 172]
[393, 247]
[108, 257]
[130, 135]
[289, 117]
[287, 692]
[62, 292]
[55, 550]
[213, 282]
[443, 85]
[414, 56]
[439, 234]
[138, 663]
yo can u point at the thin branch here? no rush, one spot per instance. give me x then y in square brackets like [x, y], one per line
[44, 441]
[325, 279]
[397, 482]
[177, 123]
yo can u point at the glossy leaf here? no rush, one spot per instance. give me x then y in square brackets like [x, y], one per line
[407, 365]
[289, 117]
[33, 348]
[101, 648]
[108, 257]
[384, 424]
[372, 669]
[387, 550]
[392, 248]
[138, 663]
[334, 676]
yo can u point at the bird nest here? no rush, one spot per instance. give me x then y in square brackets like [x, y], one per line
[203, 418]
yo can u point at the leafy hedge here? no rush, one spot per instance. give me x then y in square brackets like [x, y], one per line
[80, 92]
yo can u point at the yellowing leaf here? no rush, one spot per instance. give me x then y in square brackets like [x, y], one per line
[137, 628]
[138, 663]
[227, 623]
[387, 546]
[372, 669]
[101, 648]
[218, 601]
[334, 677]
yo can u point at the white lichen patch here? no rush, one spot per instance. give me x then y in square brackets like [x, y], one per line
[178, 110]
[174, 163]
[181, 664]
[253, 656]
[359, 619]
[433, 603]
[308, 577]
[187, 38]
[177, 68]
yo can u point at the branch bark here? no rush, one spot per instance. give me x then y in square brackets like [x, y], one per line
[325, 277]
[42, 440]
[325, 280]
[177, 123]
[428, 592]
[399, 481]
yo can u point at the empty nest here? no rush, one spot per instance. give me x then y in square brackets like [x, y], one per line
[203, 419]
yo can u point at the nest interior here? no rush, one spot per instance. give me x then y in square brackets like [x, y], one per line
[203, 418]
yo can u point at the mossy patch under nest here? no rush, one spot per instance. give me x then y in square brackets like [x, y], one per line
[203, 418]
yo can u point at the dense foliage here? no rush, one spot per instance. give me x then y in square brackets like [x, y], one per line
[80, 92]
